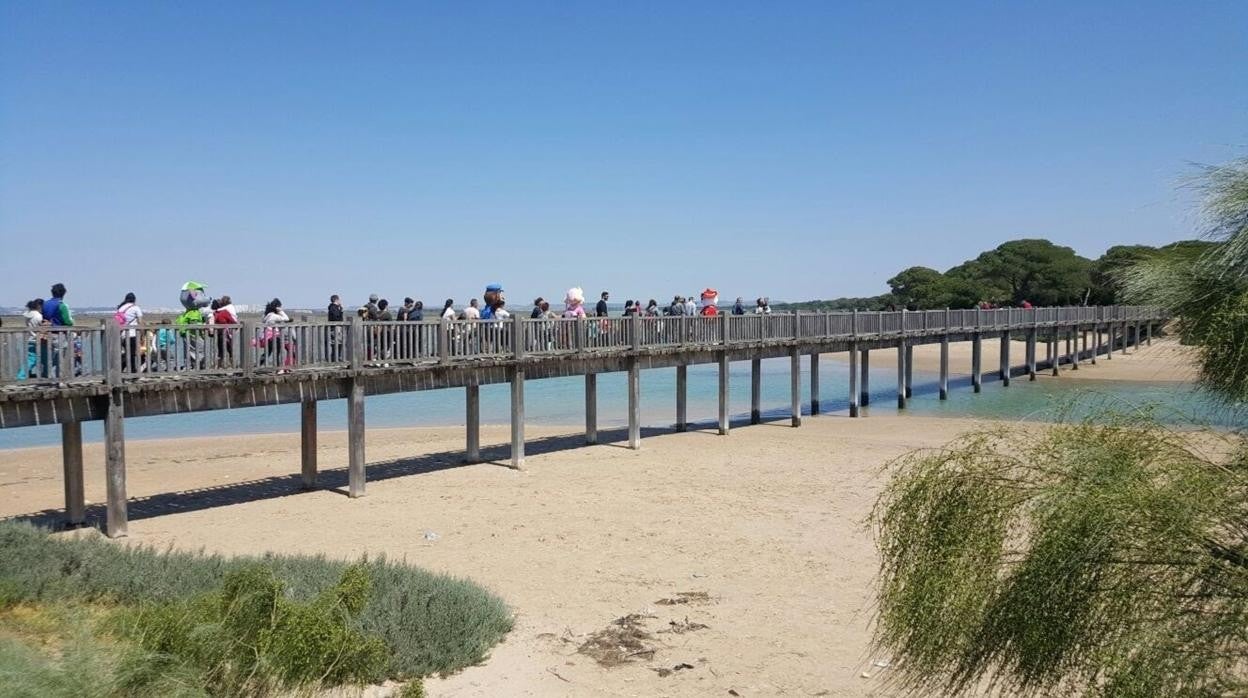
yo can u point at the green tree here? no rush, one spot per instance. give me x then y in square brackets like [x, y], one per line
[1107, 271]
[1030, 270]
[1103, 559]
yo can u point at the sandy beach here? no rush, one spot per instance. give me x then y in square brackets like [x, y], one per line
[766, 522]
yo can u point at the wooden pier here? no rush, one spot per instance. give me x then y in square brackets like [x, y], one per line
[70, 375]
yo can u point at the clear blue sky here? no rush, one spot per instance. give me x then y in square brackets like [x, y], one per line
[793, 149]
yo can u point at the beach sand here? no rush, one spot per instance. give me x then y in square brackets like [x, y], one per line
[768, 522]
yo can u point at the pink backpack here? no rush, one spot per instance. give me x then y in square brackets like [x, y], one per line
[120, 315]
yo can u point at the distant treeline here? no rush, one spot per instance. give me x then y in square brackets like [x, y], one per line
[1032, 270]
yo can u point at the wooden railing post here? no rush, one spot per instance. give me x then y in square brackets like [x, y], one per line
[797, 324]
[247, 350]
[853, 324]
[634, 329]
[517, 335]
[723, 329]
[444, 341]
[355, 343]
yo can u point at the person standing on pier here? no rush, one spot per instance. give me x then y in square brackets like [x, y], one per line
[404, 313]
[448, 309]
[128, 315]
[691, 307]
[738, 308]
[600, 310]
[225, 314]
[273, 316]
[333, 339]
[34, 321]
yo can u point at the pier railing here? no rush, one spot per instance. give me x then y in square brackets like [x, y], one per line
[148, 352]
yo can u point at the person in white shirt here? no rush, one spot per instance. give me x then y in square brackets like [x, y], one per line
[129, 314]
[473, 311]
[34, 320]
[448, 309]
[691, 308]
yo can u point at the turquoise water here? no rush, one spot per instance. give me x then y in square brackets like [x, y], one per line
[560, 402]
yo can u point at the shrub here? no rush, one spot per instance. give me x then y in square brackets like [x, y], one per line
[249, 638]
[429, 623]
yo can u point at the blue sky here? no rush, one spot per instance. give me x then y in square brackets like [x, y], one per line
[798, 150]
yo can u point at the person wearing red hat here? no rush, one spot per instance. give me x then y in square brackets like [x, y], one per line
[710, 302]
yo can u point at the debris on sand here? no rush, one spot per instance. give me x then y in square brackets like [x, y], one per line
[686, 597]
[683, 626]
[665, 672]
[621, 642]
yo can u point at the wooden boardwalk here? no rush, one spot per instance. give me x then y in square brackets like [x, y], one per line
[83, 373]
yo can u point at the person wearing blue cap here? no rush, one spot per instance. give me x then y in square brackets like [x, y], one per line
[494, 302]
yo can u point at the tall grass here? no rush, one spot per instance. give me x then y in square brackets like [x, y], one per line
[429, 623]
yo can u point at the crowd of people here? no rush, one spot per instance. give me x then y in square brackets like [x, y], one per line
[175, 343]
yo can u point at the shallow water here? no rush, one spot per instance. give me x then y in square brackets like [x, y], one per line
[560, 401]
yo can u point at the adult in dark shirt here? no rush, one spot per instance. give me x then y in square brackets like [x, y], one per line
[404, 313]
[383, 310]
[418, 312]
[738, 308]
[537, 309]
[601, 309]
[335, 308]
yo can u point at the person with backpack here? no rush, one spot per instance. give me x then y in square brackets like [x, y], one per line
[224, 313]
[129, 314]
[57, 314]
[34, 322]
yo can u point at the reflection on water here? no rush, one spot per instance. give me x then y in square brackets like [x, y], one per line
[560, 401]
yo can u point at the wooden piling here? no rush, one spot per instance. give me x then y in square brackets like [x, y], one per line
[1004, 352]
[517, 418]
[756, 391]
[472, 422]
[864, 398]
[723, 393]
[795, 387]
[944, 367]
[814, 384]
[901, 375]
[854, 389]
[116, 521]
[591, 408]
[355, 439]
[909, 370]
[977, 356]
[634, 404]
[1031, 354]
[71, 459]
[682, 395]
[307, 442]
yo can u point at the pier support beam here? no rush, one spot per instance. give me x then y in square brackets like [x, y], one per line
[901, 375]
[1124, 339]
[795, 387]
[944, 367]
[977, 356]
[355, 439]
[854, 389]
[1096, 342]
[591, 405]
[909, 370]
[472, 420]
[517, 418]
[1004, 369]
[682, 393]
[723, 393]
[1072, 348]
[1057, 359]
[634, 404]
[307, 443]
[71, 458]
[117, 517]
[814, 384]
[756, 391]
[864, 398]
[1031, 354]
[1135, 338]
[1148, 334]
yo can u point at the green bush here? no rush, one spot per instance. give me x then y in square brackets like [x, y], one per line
[250, 638]
[429, 623]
